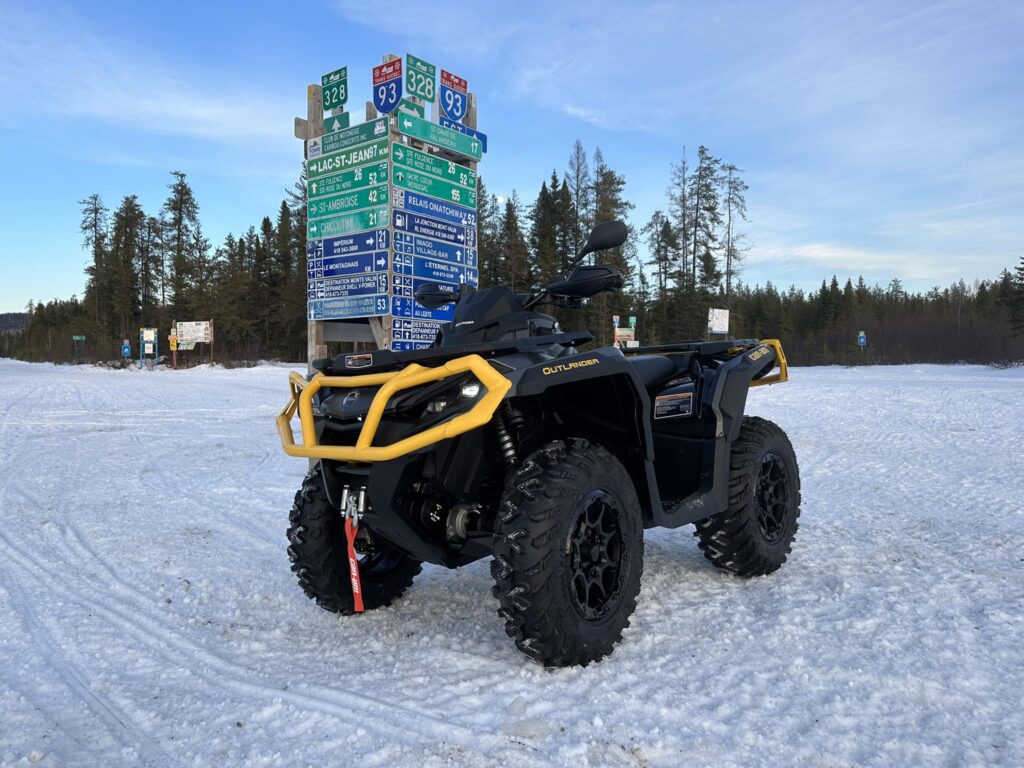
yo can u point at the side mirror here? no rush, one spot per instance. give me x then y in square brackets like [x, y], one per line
[434, 296]
[608, 234]
[584, 282]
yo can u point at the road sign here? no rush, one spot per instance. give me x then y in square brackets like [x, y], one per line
[440, 136]
[428, 206]
[435, 166]
[78, 338]
[344, 223]
[406, 178]
[420, 77]
[348, 201]
[632, 321]
[334, 88]
[364, 154]
[862, 339]
[348, 137]
[348, 285]
[350, 306]
[615, 321]
[457, 126]
[337, 122]
[355, 264]
[430, 269]
[412, 108]
[434, 229]
[347, 181]
[360, 242]
[421, 246]
[718, 321]
[387, 86]
[454, 95]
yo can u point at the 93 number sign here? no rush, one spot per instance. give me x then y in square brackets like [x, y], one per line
[453, 94]
[387, 86]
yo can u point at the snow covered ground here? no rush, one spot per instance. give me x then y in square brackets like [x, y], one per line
[148, 615]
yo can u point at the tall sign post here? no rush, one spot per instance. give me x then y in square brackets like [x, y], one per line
[392, 204]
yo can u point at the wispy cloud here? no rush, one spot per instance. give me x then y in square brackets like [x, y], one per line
[54, 63]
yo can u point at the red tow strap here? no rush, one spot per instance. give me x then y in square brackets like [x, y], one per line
[353, 564]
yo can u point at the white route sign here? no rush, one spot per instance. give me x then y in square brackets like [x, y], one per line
[199, 331]
[718, 321]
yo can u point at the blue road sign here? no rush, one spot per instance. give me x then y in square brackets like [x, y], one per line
[430, 269]
[350, 285]
[429, 206]
[432, 249]
[435, 229]
[357, 263]
[353, 306]
[862, 339]
[358, 242]
[457, 126]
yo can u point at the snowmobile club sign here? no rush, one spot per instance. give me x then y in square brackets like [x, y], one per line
[392, 201]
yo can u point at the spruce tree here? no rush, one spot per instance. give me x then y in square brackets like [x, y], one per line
[125, 238]
[181, 218]
[94, 236]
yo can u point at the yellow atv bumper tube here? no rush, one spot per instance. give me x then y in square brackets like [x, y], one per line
[414, 375]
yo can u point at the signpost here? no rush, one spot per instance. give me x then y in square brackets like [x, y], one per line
[457, 126]
[454, 95]
[193, 332]
[149, 346]
[392, 204]
[862, 342]
[77, 345]
[420, 77]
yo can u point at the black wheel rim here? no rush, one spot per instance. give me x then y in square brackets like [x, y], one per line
[595, 550]
[772, 497]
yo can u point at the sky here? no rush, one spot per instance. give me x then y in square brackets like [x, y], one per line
[879, 139]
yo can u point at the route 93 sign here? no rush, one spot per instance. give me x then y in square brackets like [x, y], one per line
[387, 86]
[453, 95]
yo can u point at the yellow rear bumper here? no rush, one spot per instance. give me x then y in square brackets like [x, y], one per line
[414, 375]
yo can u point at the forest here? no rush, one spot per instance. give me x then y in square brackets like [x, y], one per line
[151, 268]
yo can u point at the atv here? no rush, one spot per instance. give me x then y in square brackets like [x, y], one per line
[503, 439]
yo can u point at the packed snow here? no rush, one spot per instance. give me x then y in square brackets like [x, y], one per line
[148, 615]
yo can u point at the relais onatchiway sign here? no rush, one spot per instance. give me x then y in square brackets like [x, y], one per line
[392, 204]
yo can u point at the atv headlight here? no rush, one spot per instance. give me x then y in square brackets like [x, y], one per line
[466, 393]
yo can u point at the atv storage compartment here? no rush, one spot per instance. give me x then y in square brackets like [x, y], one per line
[678, 442]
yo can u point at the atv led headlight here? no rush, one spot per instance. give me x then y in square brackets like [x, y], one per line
[470, 390]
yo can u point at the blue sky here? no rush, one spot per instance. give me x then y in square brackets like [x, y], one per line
[878, 138]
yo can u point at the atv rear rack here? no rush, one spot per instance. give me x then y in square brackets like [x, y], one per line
[301, 402]
[719, 349]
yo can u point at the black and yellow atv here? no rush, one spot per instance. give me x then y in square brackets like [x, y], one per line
[504, 440]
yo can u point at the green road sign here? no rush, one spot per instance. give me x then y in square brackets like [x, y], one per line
[435, 166]
[412, 108]
[337, 123]
[438, 135]
[78, 338]
[348, 201]
[346, 181]
[420, 78]
[342, 224]
[334, 88]
[434, 187]
[347, 137]
[364, 154]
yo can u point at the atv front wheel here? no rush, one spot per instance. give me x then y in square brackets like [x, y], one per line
[568, 553]
[754, 536]
[319, 555]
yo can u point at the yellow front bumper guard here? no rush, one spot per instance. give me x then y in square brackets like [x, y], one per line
[414, 375]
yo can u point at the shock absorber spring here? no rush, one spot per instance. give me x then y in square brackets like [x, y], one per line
[506, 444]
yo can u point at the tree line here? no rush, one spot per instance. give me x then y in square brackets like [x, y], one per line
[152, 268]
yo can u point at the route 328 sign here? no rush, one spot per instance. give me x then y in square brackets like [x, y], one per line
[453, 95]
[387, 86]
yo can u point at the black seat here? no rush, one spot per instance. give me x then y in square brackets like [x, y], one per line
[652, 369]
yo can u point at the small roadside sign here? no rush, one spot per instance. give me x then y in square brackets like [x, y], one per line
[387, 86]
[862, 339]
[615, 321]
[632, 321]
[334, 89]
[420, 77]
[454, 95]
[718, 321]
[347, 137]
[435, 166]
[405, 178]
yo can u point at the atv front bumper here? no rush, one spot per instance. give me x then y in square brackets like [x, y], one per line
[301, 402]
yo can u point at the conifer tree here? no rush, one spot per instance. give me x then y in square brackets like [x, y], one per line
[94, 235]
[580, 187]
[125, 238]
[181, 218]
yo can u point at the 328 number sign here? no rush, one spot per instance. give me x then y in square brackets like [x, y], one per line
[334, 89]
[419, 78]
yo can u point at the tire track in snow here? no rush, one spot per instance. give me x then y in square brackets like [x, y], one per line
[118, 724]
[134, 619]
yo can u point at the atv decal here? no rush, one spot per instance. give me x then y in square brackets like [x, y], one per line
[565, 367]
[670, 406]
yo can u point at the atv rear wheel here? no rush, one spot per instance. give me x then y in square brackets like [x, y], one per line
[568, 553]
[318, 551]
[754, 536]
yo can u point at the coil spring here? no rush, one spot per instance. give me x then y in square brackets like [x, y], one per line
[506, 444]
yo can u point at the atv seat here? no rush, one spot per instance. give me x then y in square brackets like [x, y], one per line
[653, 369]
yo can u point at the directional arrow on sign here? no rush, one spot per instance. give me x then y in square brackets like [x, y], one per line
[406, 123]
[399, 175]
[381, 261]
[314, 187]
[314, 228]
